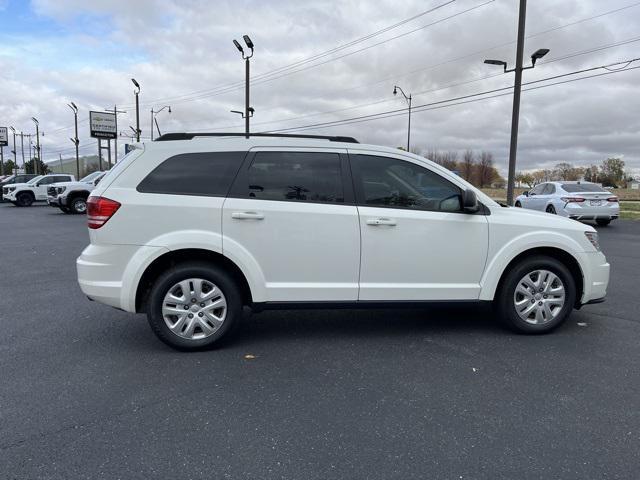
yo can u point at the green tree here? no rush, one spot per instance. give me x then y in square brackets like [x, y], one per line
[43, 168]
[9, 167]
[612, 172]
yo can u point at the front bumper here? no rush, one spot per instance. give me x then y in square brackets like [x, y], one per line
[595, 277]
[54, 201]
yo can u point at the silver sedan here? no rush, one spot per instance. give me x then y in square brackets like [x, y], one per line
[577, 200]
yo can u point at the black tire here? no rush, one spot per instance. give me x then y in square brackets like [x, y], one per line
[518, 205]
[505, 303]
[78, 205]
[603, 222]
[551, 209]
[24, 200]
[208, 272]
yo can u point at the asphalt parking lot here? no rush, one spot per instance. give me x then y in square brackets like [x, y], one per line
[89, 392]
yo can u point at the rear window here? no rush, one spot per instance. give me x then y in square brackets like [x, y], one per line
[204, 174]
[582, 187]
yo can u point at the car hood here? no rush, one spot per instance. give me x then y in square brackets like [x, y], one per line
[538, 219]
[68, 184]
[19, 185]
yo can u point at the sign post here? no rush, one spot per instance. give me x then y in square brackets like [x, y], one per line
[103, 126]
[4, 141]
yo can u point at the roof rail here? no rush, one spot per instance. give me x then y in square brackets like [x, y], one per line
[189, 136]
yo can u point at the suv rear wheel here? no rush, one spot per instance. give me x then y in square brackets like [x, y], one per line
[192, 306]
[537, 295]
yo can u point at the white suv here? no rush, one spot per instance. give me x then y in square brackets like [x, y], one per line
[192, 227]
[35, 190]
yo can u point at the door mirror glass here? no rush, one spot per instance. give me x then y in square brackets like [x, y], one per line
[470, 201]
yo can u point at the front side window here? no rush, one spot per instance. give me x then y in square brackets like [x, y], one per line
[389, 182]
[204, 174]
[296, 176]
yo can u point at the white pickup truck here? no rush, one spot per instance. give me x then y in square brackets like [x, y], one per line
[71, 197]
[35, 190]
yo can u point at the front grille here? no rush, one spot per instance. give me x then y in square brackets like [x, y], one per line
[52, 191]
[5, 190]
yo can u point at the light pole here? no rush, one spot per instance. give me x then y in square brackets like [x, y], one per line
[517, 89]
[246, 58]
[408, 99]
[75, 140]
[15, 154]
[24, 167]
[137, 93]
[153, 118]
[37, 167]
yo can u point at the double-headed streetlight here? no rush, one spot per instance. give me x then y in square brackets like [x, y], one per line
[154, 113]
[15, 154]
[137, 93]
[517, 89]
[36, 163]
[75, 140]
[408, 99]
[248, 111]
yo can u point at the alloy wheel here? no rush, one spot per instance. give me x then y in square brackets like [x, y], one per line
[194, 308]
[539, 297]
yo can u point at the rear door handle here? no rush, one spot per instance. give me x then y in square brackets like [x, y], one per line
[247, 215]
[381, 221]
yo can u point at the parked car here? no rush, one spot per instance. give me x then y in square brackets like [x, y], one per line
[191, 227]
[35, 190]
[13, 179]
[71, 197]
[576, 200]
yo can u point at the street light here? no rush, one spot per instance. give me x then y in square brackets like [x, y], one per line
[517, 89]
[37, 167]
[137, 93]
[248, 111]
[153, 118]
[408, 99]
[75, 140]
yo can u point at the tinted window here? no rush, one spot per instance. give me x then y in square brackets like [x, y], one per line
[537, 190]
[388, 182]
[207, 174]
[583, 187]
[46, 181]
[296, 176]
[549, 189]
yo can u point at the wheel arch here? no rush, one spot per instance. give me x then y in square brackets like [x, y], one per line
[175, 257]
[77, 193]
[566, 258]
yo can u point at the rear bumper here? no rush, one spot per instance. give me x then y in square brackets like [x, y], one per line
[596, 278]
[110, 274]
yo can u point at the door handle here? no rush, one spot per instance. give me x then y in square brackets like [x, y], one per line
[381, 221]
[247, 215]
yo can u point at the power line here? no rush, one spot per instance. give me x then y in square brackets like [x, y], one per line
[447, 102]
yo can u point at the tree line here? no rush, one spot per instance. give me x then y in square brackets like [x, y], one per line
[610, 173]
[476, 168]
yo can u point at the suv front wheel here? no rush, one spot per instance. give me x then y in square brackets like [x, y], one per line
[192, 306]
[537, 295]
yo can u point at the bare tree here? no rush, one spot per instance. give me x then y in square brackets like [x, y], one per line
[486, 170]
[468, 165]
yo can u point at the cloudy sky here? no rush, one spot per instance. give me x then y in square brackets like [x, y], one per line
[319, 61]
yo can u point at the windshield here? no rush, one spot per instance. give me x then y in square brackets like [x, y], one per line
[34, 180]
[91, 177]
[583, 187]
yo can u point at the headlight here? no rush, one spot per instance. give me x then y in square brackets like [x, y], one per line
[61, 189]
[593, 238]
[11, 189]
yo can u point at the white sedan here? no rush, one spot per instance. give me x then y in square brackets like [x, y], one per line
[577, 200]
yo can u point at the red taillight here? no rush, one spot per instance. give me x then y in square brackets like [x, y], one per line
[100, 210]
[572, 199]
[612, 199]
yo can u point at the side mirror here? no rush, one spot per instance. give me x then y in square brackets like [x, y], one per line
[470, 201]
[526, 193]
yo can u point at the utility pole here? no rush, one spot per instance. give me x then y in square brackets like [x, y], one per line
[15, 154]
[137, 94]
[517, 89]
[24, 167]
[153, 118]
[36, 163]
[248, 111]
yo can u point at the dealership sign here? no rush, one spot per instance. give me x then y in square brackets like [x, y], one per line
[103, 125]
[4, 137]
